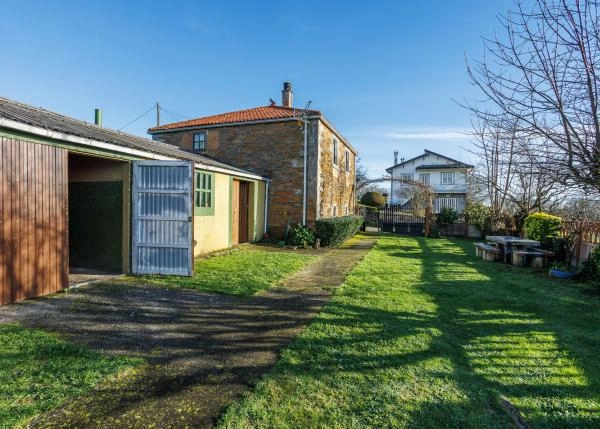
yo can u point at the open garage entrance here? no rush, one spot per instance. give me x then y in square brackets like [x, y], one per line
[99, 215]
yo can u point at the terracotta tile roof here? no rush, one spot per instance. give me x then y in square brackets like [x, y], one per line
[247, 115]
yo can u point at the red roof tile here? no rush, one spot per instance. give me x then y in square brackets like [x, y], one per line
[248, 115]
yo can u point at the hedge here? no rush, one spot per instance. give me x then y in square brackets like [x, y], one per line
[335, 230]
[539, 226]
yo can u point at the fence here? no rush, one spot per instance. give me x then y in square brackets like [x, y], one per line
[586, 235]
[401, 220]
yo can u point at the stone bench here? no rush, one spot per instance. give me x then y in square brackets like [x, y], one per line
[536, 258]
[486, 251]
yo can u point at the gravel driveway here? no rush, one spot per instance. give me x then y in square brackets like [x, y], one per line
[203, 350]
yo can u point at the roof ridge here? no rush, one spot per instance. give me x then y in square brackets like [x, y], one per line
[182, 124]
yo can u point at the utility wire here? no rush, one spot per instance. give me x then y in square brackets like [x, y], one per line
[139, 117]
[173, 114]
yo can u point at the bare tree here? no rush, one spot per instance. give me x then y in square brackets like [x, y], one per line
[541, 73]
[513, 170]
[363, 183]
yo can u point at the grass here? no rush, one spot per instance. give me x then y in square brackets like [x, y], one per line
[241, 273]
[39, 371]
[422, 334]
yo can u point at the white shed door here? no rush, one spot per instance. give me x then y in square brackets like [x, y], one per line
[162, 229]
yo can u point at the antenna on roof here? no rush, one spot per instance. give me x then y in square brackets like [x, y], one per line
[157, 114]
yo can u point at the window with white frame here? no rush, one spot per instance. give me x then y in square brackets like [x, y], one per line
[406, 176]
[199, 141]
[447, 179]
[335, 151]
[424, 177]
[451, 203]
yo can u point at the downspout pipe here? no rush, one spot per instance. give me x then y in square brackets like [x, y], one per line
[305, 178]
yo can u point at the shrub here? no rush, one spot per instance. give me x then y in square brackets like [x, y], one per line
[480, 215]
[540, 226]
[335, 230]
[446, 216]
[373, 199]
[301, 236]
[590, 269]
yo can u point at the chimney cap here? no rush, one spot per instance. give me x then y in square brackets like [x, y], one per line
[287, 85]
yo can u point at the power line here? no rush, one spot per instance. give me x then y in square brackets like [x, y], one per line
[139, 117]
[173, 114]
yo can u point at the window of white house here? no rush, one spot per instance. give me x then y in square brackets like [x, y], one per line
[199, 141]
[203, 194]
[451, 203]
[447, 178]
[335, 151]
[334, 210]
[407, 176]
[424, 177]
[347, 161]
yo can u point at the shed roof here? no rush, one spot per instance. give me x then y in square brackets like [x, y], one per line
[41, 118]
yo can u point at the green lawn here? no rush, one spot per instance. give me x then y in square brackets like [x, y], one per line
[38, 371]
[424, 335]
[241, 273]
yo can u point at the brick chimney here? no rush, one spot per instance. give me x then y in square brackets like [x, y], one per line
[287, 95]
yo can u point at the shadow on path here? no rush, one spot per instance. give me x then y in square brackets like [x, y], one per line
[203, 350]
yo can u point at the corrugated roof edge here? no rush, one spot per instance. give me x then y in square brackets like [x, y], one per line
[13, 112]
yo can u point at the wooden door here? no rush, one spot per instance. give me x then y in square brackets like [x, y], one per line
[244, 203]
[235, 213]
[34, 249]
[239, 212]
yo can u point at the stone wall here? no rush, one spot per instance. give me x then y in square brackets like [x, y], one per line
[336, 184]
[275, 150]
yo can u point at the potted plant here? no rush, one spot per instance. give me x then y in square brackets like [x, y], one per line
[561, 270]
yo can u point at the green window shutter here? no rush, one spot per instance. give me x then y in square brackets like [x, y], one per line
[204, 188]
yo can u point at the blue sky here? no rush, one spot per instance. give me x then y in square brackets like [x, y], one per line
[384, 73]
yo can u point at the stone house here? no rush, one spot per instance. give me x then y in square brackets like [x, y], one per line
[270, 141]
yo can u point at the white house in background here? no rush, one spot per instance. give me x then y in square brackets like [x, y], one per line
[447, 177]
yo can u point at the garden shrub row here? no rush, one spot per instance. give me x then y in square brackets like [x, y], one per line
[335, 230]
[540, 226]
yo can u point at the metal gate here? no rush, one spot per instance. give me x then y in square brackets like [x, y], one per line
[162, 229]
[407, 221]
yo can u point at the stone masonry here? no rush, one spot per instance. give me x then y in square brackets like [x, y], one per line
[275, 150]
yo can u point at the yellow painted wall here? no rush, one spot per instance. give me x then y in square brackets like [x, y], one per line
[212, 232]
[260, 210]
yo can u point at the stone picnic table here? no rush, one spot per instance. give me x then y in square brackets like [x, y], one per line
[517, 250]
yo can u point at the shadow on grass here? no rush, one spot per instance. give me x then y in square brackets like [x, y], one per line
[488, 331]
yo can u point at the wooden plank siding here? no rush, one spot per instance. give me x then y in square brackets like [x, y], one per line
[34, 251]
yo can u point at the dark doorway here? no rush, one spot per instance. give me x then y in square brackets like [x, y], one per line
[96, 225]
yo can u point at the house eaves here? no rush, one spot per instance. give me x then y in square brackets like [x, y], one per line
[36, 122]
[257, 122]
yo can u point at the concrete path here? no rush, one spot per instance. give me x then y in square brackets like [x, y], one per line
[203, 350]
